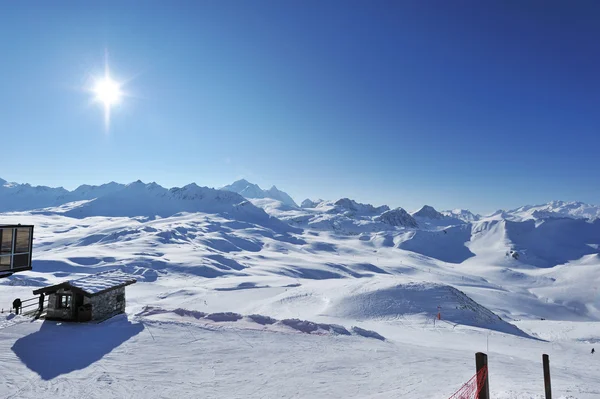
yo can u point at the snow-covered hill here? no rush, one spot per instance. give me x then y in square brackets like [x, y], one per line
[253, 191]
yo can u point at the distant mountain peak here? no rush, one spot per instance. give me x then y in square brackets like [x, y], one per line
[308, 203]
[462, 214]
[251, 190]
[397, 217]
[353, 206]
[556, 209]
[428, 212]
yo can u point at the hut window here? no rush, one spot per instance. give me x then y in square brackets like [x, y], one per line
[121, 298]
[63, 301]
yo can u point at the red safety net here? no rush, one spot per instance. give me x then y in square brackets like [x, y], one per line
[472, 388]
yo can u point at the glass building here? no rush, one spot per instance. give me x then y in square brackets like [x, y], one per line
[15, 248]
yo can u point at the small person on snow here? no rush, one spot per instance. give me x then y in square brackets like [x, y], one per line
[17, 305]
[593, 351]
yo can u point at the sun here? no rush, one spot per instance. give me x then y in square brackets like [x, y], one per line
[108, 92]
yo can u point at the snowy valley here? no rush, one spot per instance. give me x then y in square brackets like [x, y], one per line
[333, 298]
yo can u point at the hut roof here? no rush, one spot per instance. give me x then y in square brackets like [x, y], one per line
[94, 284]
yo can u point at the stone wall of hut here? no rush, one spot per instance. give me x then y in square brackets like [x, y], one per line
[107, 304]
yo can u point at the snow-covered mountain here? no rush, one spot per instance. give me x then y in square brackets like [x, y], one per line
[576, 210]
[250, 190]
[397, 217]
[87, 192]
[463, 214]
[428, 212]
[429, 218]
[150, 200]
[308, 203]
[19, 197]
[348, 279]
[351, 207]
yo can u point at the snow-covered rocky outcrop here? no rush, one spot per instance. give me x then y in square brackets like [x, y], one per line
[397, 217]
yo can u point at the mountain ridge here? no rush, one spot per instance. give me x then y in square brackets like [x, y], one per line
[252, 191]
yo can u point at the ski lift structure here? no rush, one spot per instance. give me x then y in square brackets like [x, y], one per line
[16, 242]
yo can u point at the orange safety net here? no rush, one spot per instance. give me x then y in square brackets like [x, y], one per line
[472, 388]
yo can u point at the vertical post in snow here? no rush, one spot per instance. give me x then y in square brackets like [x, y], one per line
[547, 384]
[481, 363]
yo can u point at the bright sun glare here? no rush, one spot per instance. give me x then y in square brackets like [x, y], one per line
[108, 92]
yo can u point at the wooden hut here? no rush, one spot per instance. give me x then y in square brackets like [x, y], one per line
[95, 297]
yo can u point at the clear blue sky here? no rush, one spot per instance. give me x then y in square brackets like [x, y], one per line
[481, 105]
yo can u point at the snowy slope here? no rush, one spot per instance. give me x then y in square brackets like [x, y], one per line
[253, 191]
[543, 243]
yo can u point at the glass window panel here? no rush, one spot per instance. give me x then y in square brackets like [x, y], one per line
[21, 261]
[22, 241]
[63, 301]
[6, 240]
[4, 263]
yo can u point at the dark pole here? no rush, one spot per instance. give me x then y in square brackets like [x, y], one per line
[481, 363]
[547, 384]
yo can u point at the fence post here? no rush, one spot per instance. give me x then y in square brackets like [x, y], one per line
[547, 384]
[480, 363]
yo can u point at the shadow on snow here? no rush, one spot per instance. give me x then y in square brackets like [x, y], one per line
[60, 348]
